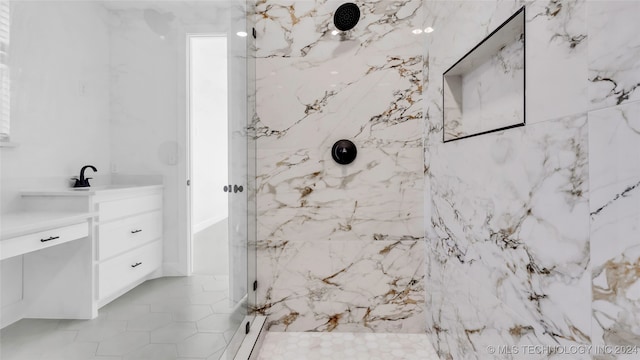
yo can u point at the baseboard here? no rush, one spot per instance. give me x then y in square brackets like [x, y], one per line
[172, 269]
[207, 223]
[12, 313]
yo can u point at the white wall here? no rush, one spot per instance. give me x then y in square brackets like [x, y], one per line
[144, 109]
[208, 111]
[60, 105]
[60, 102]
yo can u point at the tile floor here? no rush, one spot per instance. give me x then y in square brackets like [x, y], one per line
[345, 346]
[166, 318]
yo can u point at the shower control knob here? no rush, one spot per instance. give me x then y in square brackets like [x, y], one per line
[344, 152]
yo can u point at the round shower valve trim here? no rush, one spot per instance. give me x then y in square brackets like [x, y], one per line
[344, 152]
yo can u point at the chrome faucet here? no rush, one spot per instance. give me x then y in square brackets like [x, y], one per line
[82, 181]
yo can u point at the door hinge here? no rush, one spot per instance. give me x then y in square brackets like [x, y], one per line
[255, 285]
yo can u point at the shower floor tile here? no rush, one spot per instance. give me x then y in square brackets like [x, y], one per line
[345, 346]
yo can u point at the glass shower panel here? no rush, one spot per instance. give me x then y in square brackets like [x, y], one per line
[106, 83]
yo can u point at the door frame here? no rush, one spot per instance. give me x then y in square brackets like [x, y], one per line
[185, 225]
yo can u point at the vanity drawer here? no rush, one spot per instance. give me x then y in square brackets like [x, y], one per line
[119, 236]
[123, 270]
[109, 210]
[43, 239]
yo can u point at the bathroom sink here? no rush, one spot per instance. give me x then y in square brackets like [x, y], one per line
[102, 187]
[84, 191]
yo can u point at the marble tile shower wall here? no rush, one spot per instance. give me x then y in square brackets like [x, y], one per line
[614, 171]
[340, 248]
[533, 234]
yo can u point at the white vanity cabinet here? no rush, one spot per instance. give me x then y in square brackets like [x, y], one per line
[128, 235]
[46, 264]
[39, 240]
[125, 231]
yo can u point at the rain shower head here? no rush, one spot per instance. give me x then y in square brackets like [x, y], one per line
[346, 16]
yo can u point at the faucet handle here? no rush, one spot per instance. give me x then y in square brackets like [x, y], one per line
[77, 183]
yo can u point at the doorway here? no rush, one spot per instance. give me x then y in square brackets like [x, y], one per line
[208, 117]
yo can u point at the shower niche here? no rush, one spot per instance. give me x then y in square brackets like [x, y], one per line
[484, 91]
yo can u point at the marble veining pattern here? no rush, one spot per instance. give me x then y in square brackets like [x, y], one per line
[556, 53]
[614, 141]
[304, 28]
[340, 248]
[546, 251]
[327, 98]
[466, 317]
[614, 68]
[305, 196]
[524, 236]
[470, 107]
[342, 286]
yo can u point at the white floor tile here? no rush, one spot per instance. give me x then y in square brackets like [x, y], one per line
[201, 345]
[192, 313]
[218, 323]
[170, 304]
[154, 352]
[72, 351]
[123, 311]
[123, 343]
[148, 322]
[173, 333]
[208, 297]
[155, 320]
[100, 330]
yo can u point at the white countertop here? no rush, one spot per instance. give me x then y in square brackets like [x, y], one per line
[93, 190]
[21, 223]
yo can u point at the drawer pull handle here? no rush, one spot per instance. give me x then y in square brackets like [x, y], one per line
[49, 239]
[136, 231]
[136, 264]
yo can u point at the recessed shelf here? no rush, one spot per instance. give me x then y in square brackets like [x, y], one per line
[484, 91]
